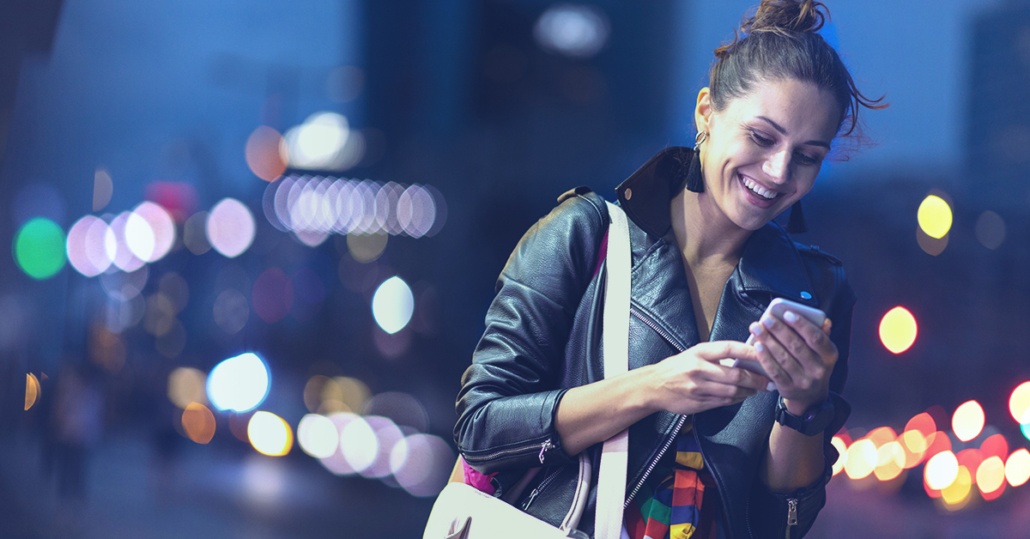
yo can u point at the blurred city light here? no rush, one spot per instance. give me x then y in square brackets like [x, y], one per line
[941, 470]
[401, 408]
[990, 475]
[575, 30]
[1017, 467]
[269, 434]
[421, 464]
[198, 422]
[33, 391]
[39, 248]
[931, 246]
[239, 383]
[230, 227]
[103, 188]
[231, 310]
[990, 230]
[890, 461]
[117, 247]
[995, 446]
[337, 463]
[914, 445]
[898, 330]
[194, 233]
[861, 459]
[387, 435]
[956, 494]
[1019, 403]
[317, 436]
[318, 143]
[185, 386]
[87, 246]
[366, 248]
[393, 305]
[968, 420]
[264, 153]
[842, 455]
[359, 444]
[934, 216]
[150, 232]
[939, 442]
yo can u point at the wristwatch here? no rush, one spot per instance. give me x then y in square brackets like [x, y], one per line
[814, 421]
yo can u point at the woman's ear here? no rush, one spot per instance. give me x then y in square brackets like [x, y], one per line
[703, 110]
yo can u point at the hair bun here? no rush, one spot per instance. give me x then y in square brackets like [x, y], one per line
[787, 17]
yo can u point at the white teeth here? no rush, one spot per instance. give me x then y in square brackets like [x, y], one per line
[758, 189]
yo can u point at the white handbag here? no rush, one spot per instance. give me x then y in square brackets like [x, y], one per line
[463, 512]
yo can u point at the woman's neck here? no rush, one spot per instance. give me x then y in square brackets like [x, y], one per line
[704, 234]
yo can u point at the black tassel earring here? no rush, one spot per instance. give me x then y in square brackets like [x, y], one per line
[796, 222]
[695, 176]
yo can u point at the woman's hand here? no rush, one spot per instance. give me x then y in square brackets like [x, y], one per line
[694, 380]
[797, 355]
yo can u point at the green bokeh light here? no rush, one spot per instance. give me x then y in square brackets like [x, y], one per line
[39, 248]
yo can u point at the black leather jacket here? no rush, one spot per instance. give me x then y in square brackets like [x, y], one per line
[543, 336]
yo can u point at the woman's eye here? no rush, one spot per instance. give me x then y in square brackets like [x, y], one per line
[760, 140]
[807, 159]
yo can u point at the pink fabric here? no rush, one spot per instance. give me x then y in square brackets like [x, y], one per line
[601, 254]
[477, 480]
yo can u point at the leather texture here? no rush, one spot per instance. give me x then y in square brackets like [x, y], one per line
[543, 336]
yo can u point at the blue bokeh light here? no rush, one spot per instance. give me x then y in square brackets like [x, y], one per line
[239, 383]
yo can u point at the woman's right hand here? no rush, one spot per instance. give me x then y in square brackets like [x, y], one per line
[694, 380]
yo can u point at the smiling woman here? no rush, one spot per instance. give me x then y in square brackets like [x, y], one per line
[706, 261]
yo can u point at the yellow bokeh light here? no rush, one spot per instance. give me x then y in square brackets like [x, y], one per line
[968, 420]
[842, 450]
[32, 390]
[186, 385]
[324, 395]
[270, 434]
[1017, 468]
[1019, 403]
[934, 216]
[890, 460]
[990, 475]
[941, 470]
[898, 330]
[956, 495]
[861, 459]
[198, 422]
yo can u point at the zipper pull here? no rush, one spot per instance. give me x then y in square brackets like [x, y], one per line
[792, 514]
[529, 500]
[544, 447]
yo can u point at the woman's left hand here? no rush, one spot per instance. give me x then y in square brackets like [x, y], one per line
[797, 355]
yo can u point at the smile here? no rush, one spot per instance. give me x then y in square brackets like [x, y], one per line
[758, 195]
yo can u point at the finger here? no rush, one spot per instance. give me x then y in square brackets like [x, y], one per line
[790, 340]
[781, 366]
[815, 337]
[736, 376]
[718, 350]
[713, 390]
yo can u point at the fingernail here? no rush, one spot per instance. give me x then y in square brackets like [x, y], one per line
[757, 329]
[789, 316]
[767, 321]
[770, 387]
[759, 347]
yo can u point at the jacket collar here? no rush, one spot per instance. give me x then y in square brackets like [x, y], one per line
[770, 262]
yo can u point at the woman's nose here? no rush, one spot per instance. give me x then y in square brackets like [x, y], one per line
[778, 167]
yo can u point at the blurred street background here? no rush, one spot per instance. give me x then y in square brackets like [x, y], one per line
[251, 245]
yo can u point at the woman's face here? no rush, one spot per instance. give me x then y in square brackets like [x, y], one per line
[765, 149]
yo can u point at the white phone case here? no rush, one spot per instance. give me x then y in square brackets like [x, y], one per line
[776, 308]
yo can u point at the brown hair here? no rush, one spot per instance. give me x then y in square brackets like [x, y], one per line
[780, 40]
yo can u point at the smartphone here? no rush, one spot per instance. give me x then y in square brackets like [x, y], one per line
[776, 308]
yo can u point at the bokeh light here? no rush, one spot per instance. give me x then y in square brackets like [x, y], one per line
[934, 216]
[366, 248]
[941, 470]
[185, 386]
[861, 459]
[194, 233]
[359, 444]
[574, 30]
[990, 475]
[956, 494]
[263, 153]
[402, 408]
[103, 188]
[898, 330]
[890, 461]
[319, 142]
[231, 310]
[1017, 468]
[842, 455]
[337, 463]
[117, 246]
[230, 227]
[393, 305]
[85, 246]
[340, 394]
[421, 464]
[317, 436]
[931, 246]
[150, 232]
[995, 446]
[968, 420]
[387, 435]
[270, 434]
[1019, 403]
[990, 230]
[198, 422]
[239, 383]
[33, 391]
[39, 248]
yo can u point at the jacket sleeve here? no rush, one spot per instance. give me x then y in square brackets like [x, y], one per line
[768, 511]
[510, 393]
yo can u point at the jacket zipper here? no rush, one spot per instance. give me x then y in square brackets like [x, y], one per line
[500, 452]
[679, 422]
[792, 514]
[539, 488]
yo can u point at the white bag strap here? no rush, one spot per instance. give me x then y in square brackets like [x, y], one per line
[611, 481]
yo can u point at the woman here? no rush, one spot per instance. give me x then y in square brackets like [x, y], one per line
[706, 262]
